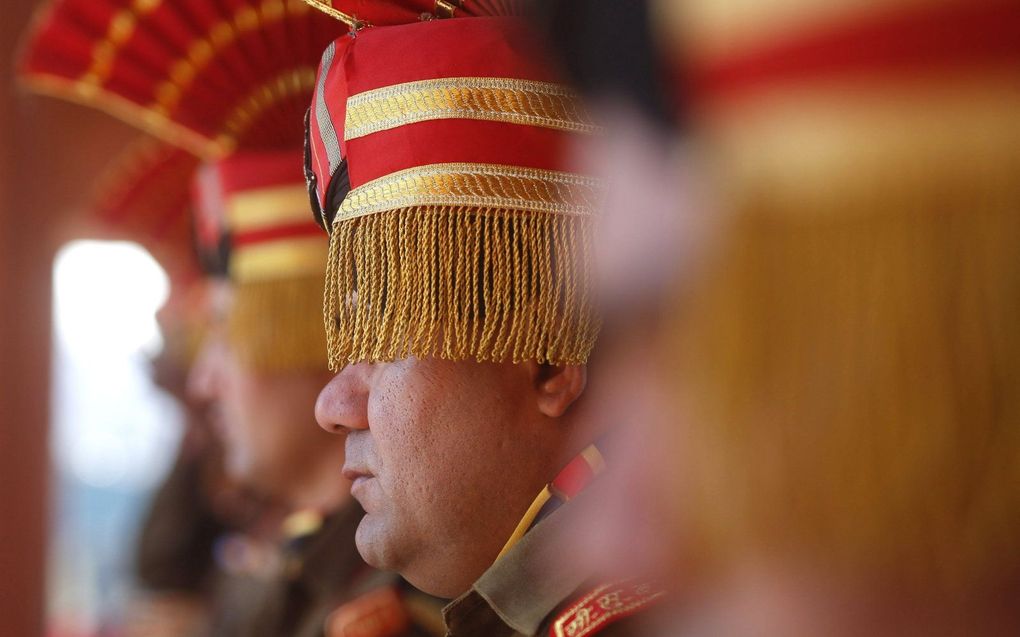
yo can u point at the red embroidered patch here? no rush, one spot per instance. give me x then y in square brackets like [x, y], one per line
[603, 606]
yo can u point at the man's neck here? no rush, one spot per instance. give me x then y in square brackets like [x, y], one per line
[573, 478]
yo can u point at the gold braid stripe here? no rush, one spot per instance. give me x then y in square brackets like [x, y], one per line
[125, 110]
[474, 185]
[288, 84]
[262, 208]
[279, 259]
[498, 99]
[327, 7]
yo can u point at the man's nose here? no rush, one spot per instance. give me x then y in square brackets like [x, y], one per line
[342, 404]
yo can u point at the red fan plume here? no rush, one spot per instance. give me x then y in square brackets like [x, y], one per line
[209, 75]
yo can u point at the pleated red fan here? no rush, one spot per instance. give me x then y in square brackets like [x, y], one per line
[143, 196]
[358, 13]
[212, 76]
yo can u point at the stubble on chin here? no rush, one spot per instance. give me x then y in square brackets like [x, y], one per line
[371, 540]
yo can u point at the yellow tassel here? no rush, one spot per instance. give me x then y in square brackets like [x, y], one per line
[852, 362]
[459, 283]
[275, 324]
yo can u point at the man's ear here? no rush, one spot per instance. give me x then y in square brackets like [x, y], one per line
[557, 386]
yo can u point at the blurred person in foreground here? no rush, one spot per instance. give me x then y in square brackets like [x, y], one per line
[460, 316]
[842, 455]
[653, 230]
[230, 82]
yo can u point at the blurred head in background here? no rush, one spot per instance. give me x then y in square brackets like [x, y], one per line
[263, 359]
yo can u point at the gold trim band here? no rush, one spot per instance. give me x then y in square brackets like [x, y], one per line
[498, 99]
[477, 186]
[125, 110]
[279, 259]
[266, 207]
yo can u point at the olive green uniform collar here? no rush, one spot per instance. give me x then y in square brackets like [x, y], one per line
[519, 592]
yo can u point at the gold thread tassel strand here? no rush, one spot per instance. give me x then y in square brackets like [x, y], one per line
[459, 283]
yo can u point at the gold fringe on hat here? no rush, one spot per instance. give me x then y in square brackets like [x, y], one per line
[275, 325]
[459, 283]
[852, 363]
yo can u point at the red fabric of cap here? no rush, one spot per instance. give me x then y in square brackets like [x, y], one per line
[373, 58]
[217, 181]
[252, 170]
[276, 233]
[965, 34]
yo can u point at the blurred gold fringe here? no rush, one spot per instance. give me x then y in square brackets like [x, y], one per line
[459, 283]
[853, 360]
[275, 325]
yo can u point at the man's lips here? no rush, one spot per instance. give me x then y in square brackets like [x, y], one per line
[353, 473]
[356, 475]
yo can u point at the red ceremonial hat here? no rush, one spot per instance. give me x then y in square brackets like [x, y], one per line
[260, 199]
[864, 292]
[221, 79]
[436, 163]
[228, 80]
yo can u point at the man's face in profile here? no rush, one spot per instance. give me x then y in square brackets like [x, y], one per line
[444, 457]
[261, 416]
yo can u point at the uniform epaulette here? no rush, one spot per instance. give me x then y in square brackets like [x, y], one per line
[379, 613]
[603, 606]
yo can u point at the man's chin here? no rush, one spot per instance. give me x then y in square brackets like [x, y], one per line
[381, 548]
[371, 540]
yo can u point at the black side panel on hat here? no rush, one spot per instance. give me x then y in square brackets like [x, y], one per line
[339, 185]
[213, 260]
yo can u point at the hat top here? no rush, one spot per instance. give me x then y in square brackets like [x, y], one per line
[480, 119]
[437, 160]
